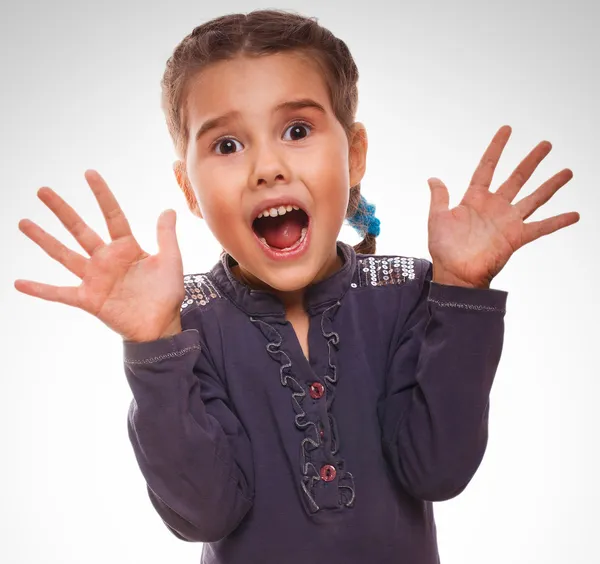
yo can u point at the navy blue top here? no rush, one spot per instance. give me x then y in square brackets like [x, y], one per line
[269, 458]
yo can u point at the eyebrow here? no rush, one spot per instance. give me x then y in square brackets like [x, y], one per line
[289, 105]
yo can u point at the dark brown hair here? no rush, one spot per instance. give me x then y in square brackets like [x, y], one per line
[263, 32]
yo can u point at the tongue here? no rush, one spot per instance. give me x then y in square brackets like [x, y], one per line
[281, 231]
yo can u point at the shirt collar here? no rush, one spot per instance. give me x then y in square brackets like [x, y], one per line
[264, 303]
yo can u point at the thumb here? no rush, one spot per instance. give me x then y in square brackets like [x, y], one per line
[440, 198]
[167, 235]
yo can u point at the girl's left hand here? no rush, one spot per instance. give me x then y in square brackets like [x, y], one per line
[472, 242]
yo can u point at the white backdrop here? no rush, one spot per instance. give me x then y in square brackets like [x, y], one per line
[80, 89]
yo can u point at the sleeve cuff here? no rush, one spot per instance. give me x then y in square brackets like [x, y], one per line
[161, 349]
[468, 299]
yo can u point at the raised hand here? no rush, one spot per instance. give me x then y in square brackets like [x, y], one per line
[472, 242]
[136, 294]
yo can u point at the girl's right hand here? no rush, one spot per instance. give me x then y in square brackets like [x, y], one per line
[136, 294]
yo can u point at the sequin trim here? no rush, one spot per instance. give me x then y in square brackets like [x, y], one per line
[467, 306]
[199, 290]
[384, 270]
[158, 358]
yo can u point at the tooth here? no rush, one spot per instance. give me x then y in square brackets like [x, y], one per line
[274, 212]
[304, 230]
[264, 241]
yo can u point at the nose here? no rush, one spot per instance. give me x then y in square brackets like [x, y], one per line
[269, 167]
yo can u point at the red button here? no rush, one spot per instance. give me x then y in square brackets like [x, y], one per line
[328, 473]
[316, 390]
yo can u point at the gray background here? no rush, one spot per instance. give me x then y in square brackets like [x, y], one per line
[80, 89]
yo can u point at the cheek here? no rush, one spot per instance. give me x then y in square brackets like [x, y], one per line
[217, 187]
[326, 166]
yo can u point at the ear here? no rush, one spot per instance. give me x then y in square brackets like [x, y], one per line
[357, 156]
[186, 187]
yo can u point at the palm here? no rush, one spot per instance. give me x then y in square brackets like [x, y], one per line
[473, 241]
[476, 237]
[119, 280]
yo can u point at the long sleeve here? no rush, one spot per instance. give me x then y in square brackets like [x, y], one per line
[191, 448]
[440, 372]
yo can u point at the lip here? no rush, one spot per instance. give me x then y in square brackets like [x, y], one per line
[275, 202]
[286, 255]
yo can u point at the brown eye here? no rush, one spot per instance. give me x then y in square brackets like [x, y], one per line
[227, 146]
[297, 131]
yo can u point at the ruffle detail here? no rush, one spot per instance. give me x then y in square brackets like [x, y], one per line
[347, 491]
[312, 441]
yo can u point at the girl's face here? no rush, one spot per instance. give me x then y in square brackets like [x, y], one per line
[262, 128]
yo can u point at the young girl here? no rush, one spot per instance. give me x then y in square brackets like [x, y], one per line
[304, 401]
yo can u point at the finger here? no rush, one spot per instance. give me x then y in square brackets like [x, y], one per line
[529, 204]
[73, 261]
[482, 178]
[523, 172]
[63, 295]
[440, 198]
[167, 235]
[117, 223]
[89, 240]
[536, 229]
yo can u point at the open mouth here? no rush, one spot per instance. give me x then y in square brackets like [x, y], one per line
[284, 231]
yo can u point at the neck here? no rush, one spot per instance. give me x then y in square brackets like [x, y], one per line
[292, 300]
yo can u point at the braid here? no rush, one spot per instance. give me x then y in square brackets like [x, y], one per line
[364, 220]
[361, 216]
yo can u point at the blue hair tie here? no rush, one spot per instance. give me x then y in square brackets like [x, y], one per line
[364, 220]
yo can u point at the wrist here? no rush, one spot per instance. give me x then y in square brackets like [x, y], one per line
[441, 276]
[173, 329]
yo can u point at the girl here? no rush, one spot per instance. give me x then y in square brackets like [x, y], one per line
[304, 400]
